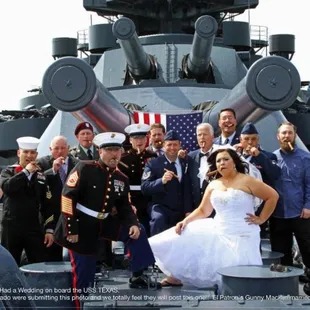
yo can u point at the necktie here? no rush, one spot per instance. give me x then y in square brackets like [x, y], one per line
[226, 141]
[89, 154]
[158, 153]
[173, 168]
[62, 174]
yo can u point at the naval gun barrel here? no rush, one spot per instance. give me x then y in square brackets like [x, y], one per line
[271, 84]
[138, 61]
[200, 55]
[70, 85]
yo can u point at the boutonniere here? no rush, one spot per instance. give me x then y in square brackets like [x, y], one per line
[18, 169]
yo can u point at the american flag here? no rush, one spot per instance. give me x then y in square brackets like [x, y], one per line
[184, 124]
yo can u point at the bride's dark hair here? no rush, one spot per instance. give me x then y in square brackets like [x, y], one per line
[241, 166]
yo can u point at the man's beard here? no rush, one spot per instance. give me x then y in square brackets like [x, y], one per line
[285, 146]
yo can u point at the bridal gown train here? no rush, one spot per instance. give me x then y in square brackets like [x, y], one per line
[205, 245]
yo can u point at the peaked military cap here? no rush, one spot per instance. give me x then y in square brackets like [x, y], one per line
[172, 135]
[137, 130]
[28, 143]
[108, 139]
[249, 129]
[82, 126]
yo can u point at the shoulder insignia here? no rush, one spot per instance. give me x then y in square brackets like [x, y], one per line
[146, 175]
[48, 194]
[121, 173]
[66, 205]
[41, 176]
[73, 179]
[89, 162]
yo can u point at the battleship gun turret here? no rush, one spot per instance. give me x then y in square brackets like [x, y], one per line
[70, 85]
[179, 58]
[140, 64]
[271, 84]
[197, 63]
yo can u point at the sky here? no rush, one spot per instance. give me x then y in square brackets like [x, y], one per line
[29, 27]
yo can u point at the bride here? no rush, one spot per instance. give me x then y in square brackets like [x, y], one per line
[193, 250]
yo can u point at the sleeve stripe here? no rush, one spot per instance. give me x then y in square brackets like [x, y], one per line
[66, 205]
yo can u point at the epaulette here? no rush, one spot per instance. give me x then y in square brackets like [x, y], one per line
[121, 173]
[73, 151]
[150, 152]
[13, 166]
[89, 162]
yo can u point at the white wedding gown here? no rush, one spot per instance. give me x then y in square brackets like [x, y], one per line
[205, 245]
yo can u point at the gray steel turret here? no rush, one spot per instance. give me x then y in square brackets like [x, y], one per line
[174, 58]
[140, 64]
[198, 60]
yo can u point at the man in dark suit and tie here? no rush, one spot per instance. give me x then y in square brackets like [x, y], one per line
[197, 160]
[57, 167]
[85, 150]
[166, 179]
[227, 122]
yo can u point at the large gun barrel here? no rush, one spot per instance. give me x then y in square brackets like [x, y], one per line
[138, 61]
[200, 55]
[70, 85]
[271, 84]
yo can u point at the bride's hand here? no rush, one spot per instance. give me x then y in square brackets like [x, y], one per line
[180, 226]
[252, 219]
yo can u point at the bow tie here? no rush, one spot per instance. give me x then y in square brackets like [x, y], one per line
[203, 154]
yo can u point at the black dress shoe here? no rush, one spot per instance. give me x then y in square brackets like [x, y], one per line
[307, 289]
[304, 278]
[142, 282]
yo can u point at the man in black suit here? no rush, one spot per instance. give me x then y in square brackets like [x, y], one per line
[57, 167]
[227, 122]
[197, 161]
[85, 150]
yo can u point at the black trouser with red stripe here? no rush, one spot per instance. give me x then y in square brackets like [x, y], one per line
[84, 267]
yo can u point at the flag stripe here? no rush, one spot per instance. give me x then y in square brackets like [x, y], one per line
[136, 117]
[146, 118]
[184, 124]
[157, 118]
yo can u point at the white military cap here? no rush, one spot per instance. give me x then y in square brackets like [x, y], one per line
[107, 139]
[137, 130]
[28, 143]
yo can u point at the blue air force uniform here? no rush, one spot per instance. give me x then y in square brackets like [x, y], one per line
[171, 201]
[266, 163]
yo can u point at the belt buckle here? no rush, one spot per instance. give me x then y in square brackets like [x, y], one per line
[100, 216]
